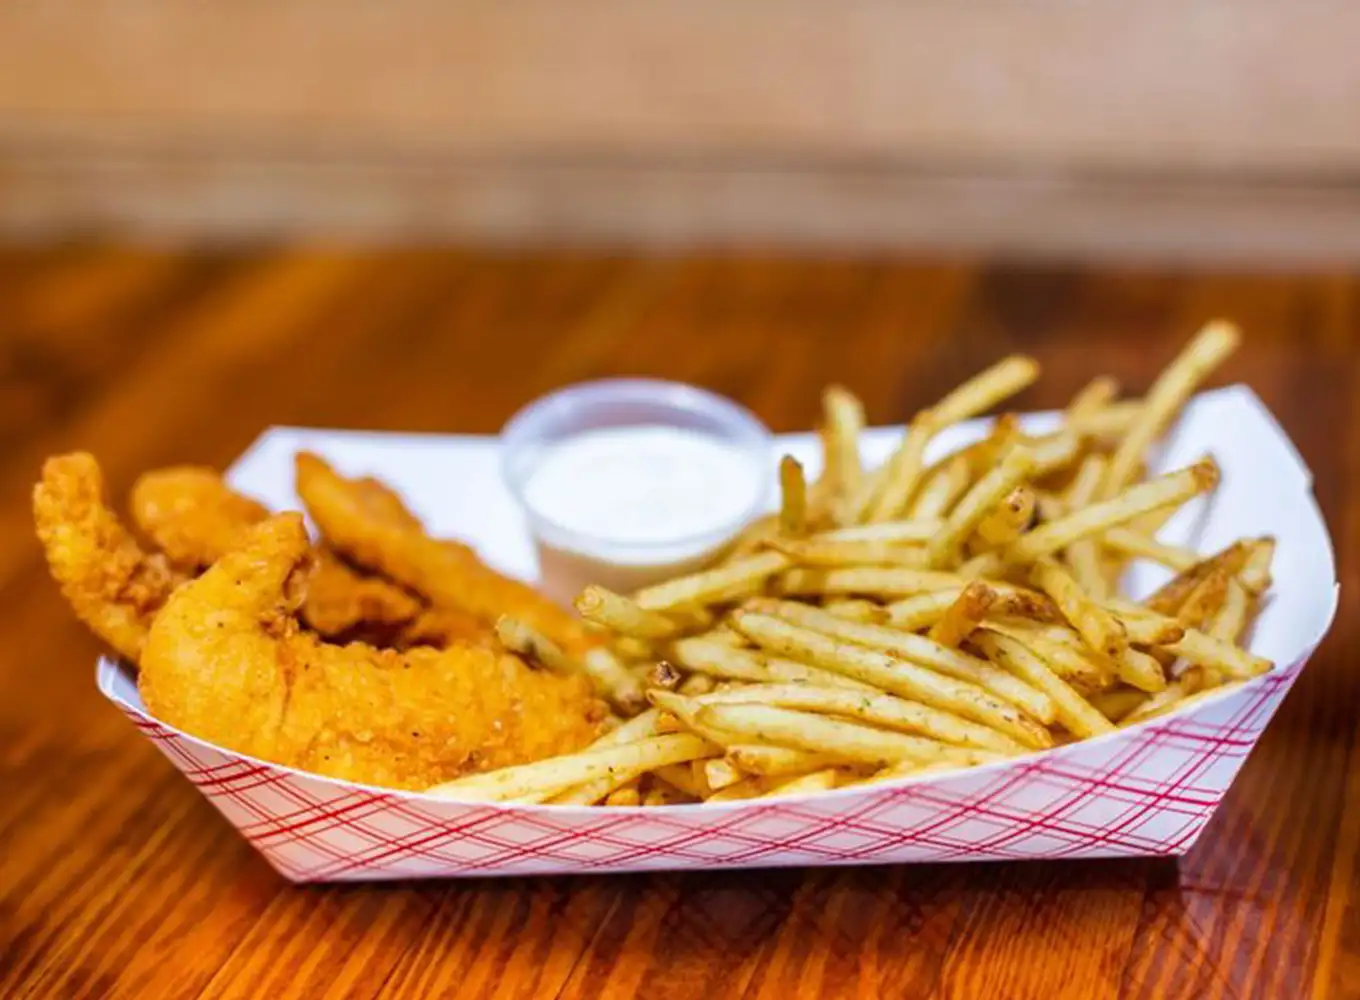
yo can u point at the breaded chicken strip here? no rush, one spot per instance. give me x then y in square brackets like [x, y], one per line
[344, 602]
[115, 586]
[227, 661]
[191, 514]
[194, 517]
[382, 536]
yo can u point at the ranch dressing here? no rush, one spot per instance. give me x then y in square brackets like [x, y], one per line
[627, 506]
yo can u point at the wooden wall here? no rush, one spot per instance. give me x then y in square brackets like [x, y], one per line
[1159, 128]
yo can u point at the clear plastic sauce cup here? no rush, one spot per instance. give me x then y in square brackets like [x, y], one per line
[625, 482]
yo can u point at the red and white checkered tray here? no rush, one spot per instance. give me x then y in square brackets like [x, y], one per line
[1147, 790]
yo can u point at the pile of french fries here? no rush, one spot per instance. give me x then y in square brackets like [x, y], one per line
[915, 617]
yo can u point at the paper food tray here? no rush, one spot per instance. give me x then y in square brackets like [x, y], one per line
[1146, 790]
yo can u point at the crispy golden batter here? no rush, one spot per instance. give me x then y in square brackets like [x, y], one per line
[194, 517]
[191, 515]
[226, 661]
[372, 529]
[115, 586]
[341, 600]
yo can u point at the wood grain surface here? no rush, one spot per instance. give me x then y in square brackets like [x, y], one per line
[118, 880]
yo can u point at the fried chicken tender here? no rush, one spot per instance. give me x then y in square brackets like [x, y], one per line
[373, 529]
[342, 601]
[191, 514]
[194, 517]
[227, 661]
[114, 585]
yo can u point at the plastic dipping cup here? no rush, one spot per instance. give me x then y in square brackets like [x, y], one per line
[605, 508]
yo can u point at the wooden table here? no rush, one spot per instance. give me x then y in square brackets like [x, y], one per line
[117, 879]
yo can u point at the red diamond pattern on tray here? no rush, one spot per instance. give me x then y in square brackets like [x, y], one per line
[1148, 790]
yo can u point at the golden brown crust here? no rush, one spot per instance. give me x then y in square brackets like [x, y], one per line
[114, 585]
[386, 539]
[227, 662]
[191, 514]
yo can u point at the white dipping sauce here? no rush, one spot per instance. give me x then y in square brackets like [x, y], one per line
[626, 506]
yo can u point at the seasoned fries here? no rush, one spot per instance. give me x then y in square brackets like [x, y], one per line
[793, 505]
[895, 622]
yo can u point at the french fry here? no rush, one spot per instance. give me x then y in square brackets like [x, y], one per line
[923, 610]
[1168, 598]
[1108, 427]
[520, 638]
[1054, 451]
[721, 661]
[915, 530]
[1130, 543]
[1002, 438]
[1255, 575]
[917, 649]
[911, 614]
[1143, 626]
[747, 788]
[911, 769]
[1197, 647]
[633, 650]
[1008, 520]
[681, 778]
[1116, 703]
[1173, 696]
[986, 493]
[843, 423]
[806, 784]
[1096, 626]
[975, 396]
[1166, 397]
[857, 610]
[879, 581]
[1140, 670]
[1076, 714]
[639, 727]
[874, 708]
[625, 616]
[751, 539]
[610, 677]
[718, 659]
[793, 501]
[1083, 556]
[619, 687]
[778, 762]
[1073, 663]
[1171, 489]
[547, 778]
[835, 554]
[1087, 404]
[985, 390]
[686, 712]
[695, 685]
[941, 488]
[897, 676]
[1231, 620]
[963, 615]
[663, 793]
[792, 672]
[820, 734]
[719, 773]
[902, 473]
[627, 795]
[1201, 605]
[699, 588]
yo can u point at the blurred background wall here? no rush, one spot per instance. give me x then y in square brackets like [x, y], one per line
[1169, 129]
